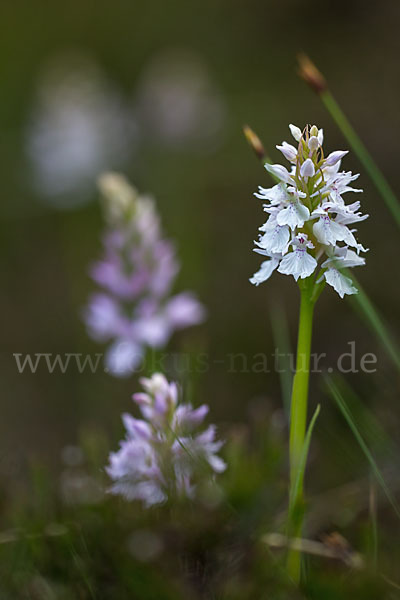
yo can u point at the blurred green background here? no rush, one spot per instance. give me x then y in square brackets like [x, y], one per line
[161, 91]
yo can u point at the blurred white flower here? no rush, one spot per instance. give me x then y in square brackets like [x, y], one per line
[178, 103]
[145, 545]
[79, 125]
[72, 456]
[78, 487]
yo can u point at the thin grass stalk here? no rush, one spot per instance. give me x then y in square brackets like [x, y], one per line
[375, 321]
[317, 82]
[340, 401]
[364, 156]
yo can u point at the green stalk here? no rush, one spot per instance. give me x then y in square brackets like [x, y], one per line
[364, 156]
[298, 421]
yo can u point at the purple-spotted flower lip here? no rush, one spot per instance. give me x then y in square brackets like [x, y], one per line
[301, 242]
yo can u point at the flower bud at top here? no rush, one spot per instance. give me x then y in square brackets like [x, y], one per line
[309, 72]
[314, 131]
[334, 157]
[296, 132]
[279, 172]
[119, 196]
[288, 151]
[307, 168]
[313, 143]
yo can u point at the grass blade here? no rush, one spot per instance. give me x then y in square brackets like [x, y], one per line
[296, 502]
[337, 396]
[375, 321]
[364, 156]
[317, 82]
[298, 484]
[374, 433]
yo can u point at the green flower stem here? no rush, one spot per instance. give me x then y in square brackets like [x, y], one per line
[298, 422]
[364, 156]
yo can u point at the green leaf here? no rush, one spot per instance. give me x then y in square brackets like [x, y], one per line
[298, 483]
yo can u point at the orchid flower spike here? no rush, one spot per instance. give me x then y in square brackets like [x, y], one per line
[163, 454]
[307, 229]
[134, 308]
